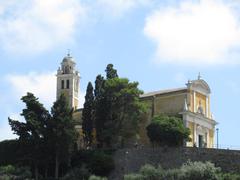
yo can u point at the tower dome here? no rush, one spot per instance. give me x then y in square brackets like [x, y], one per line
[68, 58]
[68, 65]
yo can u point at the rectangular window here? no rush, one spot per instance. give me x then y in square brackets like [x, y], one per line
[62, 84]
[67, 84]
[200, 141]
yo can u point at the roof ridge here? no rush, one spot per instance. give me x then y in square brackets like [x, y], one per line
[162, 91]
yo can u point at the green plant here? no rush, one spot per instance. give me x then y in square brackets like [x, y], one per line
[133, 177]
[150, 172]
[199, 171]
[77, 173]
[12, 172]
[101, 164]
[167, 130]
[188, 171]
[93, 177]
[229, 176]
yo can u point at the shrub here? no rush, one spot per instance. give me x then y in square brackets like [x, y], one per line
[166, 130]
[199, 171]
[77, 173]
[11, 172]
[133, 177]
[93, 177]
[150, 172]
[229, 176]
[188, 171]
[98, 162]
[171, 174]
[101, 164]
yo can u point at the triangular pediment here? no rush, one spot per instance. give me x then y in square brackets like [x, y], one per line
[201, 86]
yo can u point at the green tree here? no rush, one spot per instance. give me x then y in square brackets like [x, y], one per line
[87, 115]
[32, 133]
[100, 108]
[10, 172]
[124, 110]
[167, 130]
[111, 72]
[62, 134]
[117, 108]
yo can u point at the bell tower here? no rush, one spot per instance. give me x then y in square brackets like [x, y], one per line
[68, 81]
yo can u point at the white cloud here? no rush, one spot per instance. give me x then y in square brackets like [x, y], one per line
[42, 85]
[117, 8]
[205, 32]
[38, 25]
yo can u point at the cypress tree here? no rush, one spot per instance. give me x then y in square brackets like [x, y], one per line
[111, 72]
[99, 108]
[87, 115]
[62, 134]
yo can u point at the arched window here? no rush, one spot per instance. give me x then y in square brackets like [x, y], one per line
[62, 84]
[67, 84]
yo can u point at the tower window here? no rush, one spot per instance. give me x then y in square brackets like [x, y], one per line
[67, 84]
[62, 84]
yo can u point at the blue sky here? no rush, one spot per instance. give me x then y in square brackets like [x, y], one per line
[159, 44]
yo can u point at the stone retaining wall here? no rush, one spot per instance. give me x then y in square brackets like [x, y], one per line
[131, 160]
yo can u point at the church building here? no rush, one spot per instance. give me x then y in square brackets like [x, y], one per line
[191, 103]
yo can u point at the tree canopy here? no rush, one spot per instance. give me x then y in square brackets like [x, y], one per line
[116, 108]
[62, 134]
[45, 137]
[87, 116]
[167, 130]
[33, 133]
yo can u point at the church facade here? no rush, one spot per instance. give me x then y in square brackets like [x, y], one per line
[191, 103]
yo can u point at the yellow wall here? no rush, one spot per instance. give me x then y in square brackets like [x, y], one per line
[75, 103]
[211, 138]
[209, 111]
[145, 121]
[192, 101]
[170, 104]
[191, 127]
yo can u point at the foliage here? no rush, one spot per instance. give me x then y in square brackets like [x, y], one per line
[150, 172]
[111, 72]
[62, 134]
[133, 177]
[43, 137]
[188, 171]
[77, 173]
[32, 133]
[229, 176]
[87, 116]
[97, 162]
[100, 109]
[199, 171]
[167, 130]
[101, 164]
[10, 152]
[117, 108]
[93, 177]
[11, 172]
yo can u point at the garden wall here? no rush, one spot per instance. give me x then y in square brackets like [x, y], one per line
[130, 160]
